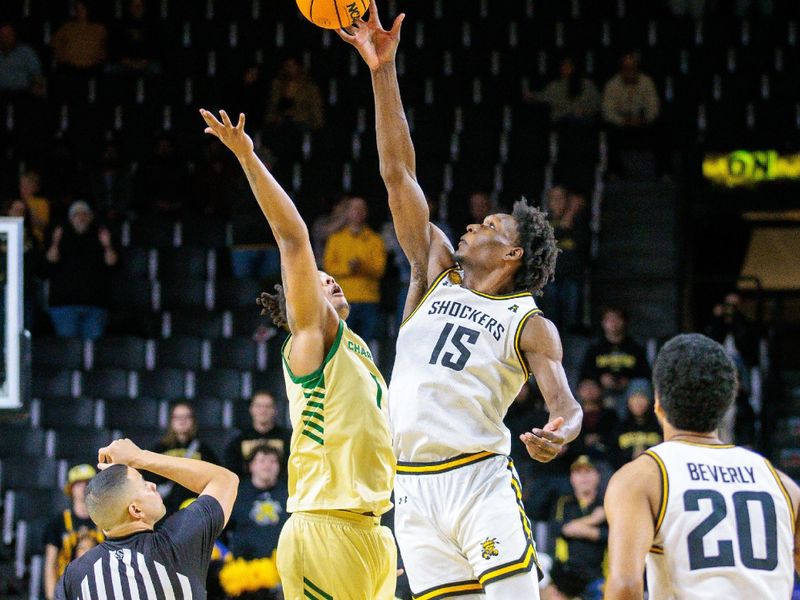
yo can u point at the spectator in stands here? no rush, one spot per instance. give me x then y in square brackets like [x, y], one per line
[329, 223]
[79, 45]
[542, 483]
[181, 440]
[599, 422]
[401, 262]
[356, 257]
[39, 207]
[579, 526]
[20, 67]
[479, 206]
[631, 107]
[295, 107]
[639, 430]
[562, 296]
[260, 509]
[63, 535]
[730, 327]
[111, 186]
[264, 430]
[32, 257]
[615, 359]
[80, 261]
[135, 44]
[573, 99]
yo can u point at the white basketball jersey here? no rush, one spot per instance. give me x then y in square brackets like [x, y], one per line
[458, 368]
[725, 529]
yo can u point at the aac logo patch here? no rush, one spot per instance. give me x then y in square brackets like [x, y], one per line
[489, 548]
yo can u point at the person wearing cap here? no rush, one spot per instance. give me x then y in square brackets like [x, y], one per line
[80, 261]
[70, 530]
[581, 534]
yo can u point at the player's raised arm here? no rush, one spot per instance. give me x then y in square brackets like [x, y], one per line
[310, 317]
[630, 504]
[426, 248]
[543, 352]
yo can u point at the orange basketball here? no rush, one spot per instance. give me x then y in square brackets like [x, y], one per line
[333, 14]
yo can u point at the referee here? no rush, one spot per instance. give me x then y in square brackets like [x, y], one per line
[136, 562]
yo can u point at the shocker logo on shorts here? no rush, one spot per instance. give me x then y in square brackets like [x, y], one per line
[489, 548]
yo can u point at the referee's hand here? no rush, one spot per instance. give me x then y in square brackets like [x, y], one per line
[546, 443]
[118, 452]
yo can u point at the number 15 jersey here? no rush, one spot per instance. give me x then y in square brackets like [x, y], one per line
[457, 369]
[725, 528]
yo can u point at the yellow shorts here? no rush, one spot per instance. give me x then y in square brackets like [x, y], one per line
[335, 554]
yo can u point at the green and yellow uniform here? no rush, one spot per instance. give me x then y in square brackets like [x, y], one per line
[341, 475]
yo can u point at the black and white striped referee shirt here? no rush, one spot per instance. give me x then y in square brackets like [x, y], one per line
[170, 563]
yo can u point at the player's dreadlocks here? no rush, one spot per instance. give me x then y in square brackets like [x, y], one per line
[274, 305]
[539, 243]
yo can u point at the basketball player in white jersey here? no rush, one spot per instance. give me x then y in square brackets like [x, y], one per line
[709, 520]
[466, 347]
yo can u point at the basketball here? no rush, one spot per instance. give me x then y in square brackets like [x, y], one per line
[333, 14]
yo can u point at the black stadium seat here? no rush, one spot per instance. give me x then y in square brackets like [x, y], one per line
[21, 441]
[106, 383]
[239, 353]
[57, 353]
[219, 383]
[65, 413]
[180, 351]
[31, 472]
[80, 445]
[52, 382]
[166, 384]
[142, 412]
[211, 412]
[119, 352]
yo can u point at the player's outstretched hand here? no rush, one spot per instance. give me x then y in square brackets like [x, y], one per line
[274, 306]
[544, 444]
[118, 452]
[233, 136]
[376, 45]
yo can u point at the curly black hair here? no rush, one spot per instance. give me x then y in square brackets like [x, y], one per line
[695, 382]
[539, 244]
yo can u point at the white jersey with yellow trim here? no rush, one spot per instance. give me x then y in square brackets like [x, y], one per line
[458, 368]
[725, 528]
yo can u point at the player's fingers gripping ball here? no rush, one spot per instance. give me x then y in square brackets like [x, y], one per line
[333, 14]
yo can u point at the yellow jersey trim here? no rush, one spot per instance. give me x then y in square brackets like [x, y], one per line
[664, 488]
[518, 335]
[449, 589]
[656, 550]
[701, 445]
[432, 287]
[523, 565]
[442, 466]
[784, 491]
[318, 372]
[501, 296]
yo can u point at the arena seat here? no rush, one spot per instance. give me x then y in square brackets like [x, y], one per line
[31, 472]
[80, 445]
[56, 412]
[219, 383]
[186, 262]
[59, 353]
[124, 352]
[21, 441]
[182, 352]
[109, 384]
[54, 383]
[239, 353]
[200, 323]
[164, 383]
[144, 412]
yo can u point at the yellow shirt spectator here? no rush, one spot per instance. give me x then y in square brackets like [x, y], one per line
[357, 260]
